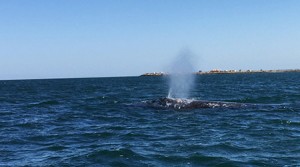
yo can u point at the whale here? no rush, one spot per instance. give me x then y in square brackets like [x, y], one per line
[180, 103]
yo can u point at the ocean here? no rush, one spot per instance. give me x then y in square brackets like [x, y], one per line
[100, 122]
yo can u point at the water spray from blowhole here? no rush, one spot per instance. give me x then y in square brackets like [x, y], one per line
[181, 76]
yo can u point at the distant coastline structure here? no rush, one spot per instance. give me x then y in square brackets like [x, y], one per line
[154, 74]
[218, 71]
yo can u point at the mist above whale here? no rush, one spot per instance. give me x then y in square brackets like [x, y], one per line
[181, 78]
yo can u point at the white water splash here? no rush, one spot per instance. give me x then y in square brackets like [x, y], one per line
[181, 76]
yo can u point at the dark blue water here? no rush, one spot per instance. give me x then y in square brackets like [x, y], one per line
[96, 122]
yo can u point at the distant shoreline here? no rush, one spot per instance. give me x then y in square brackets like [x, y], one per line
[216, 71]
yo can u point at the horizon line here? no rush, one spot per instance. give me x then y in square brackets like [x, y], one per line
[120, 76]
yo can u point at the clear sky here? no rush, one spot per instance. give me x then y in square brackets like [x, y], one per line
[100, 38]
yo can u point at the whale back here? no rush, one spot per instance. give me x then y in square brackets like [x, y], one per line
[178, 103]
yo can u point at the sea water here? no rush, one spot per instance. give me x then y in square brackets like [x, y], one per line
[96, 122]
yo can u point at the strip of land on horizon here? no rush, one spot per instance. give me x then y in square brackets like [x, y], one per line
[217, 71]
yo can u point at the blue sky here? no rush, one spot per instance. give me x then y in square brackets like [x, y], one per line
[72, 38]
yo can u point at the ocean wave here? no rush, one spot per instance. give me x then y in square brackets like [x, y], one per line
[45, 103]
[195, 159]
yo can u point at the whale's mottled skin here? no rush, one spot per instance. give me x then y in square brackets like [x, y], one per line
[191, 104]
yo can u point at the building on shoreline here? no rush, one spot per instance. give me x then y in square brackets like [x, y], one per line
[154, 74]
